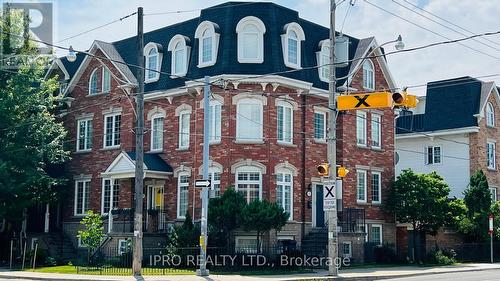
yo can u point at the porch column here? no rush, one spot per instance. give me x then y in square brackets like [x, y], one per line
[47, 218]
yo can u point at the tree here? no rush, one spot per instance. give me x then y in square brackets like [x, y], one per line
[421, 200]
[224, 216]
[262, 216]
[31, 140]
[187, 233]
[93, 231]
[495, 210]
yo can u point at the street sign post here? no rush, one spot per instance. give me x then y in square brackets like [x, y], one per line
[329, 196]
[202, 183]
[490, 232]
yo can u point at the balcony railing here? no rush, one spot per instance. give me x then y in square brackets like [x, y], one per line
[352, 220]
[155, 220]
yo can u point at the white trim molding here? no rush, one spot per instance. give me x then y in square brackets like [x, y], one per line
[252, 28]
[248, 162]
[290, 29]
[286, 166]
[207, 30]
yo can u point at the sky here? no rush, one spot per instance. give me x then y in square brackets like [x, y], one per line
[359, 20]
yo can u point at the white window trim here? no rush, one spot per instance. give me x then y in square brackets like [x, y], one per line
[324, 48]
[488, 143]
[105, 69]
[350, 249]
[187, 50]
[215, 42]
[379, 201]
[284, 44]
[112, 131]
[78, 134]
[249, 169]
[97, 83]
[260, 37]
[494, 194]
[156, 116]
[214, 103]
[357, 182]
[381, 241]
[75, 213]
[258, 138]
[111, 194]
[290, 172]
[120, 241]
[321, 110]
[181, 174]
[365, 86]
[379, 126]
[490, 112]
[362, 115]
[285, 105]
[426, 154]
[147, 49]
[182, 113]
[237, 243]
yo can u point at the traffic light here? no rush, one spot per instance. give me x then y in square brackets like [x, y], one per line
[404, 100]
[342, 172]
[323, 169]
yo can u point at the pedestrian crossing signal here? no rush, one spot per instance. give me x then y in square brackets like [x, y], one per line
[323, 169]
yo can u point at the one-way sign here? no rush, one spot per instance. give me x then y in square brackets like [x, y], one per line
[202, 183]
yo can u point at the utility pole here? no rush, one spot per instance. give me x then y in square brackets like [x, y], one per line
[204, 193]
[332, 147]
[139, 148]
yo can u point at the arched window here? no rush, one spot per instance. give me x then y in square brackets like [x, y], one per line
[284, 191]
[215, 121]
[105, 86]
[153, 57]
[249, 120]
[368, 75]
[490, 115]
[323, 58]
[291, 43]
[208, 43]
[93, 86]
[106, 80]
[249, 182]
[250, 32]
[180, 55]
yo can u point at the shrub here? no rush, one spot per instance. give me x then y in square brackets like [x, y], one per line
[444, 257]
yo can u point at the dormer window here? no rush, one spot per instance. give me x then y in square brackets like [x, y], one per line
[368, 75]
[323, 58]
[180, 55]
[291, 43]
[105, 79]
[153, 58]
[250, 32]
[208, 43]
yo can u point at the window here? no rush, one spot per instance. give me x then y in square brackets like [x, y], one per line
[106, 80]
[184, 129]
[157, 133]
[250, 32]
[153, 58]
[249, 120]
[490, 115]
[246, 245]
[376, 125]
[207, 44]
[324, 62]
[320, 126]
[105, 87]
[182, 195]
[84, 132]
[285, 124]
[110, 195]
[112, 124]
[493, 191]
[124, 246]
[346, 249]
[284, 184]
[180, 55]
[376, 233]
[82, 197]
[368, 75]
[491, 153]
[215, 121]
[93, 84]
[361, 186]
[433, 155]
[291, 43]
[376, 187]
[248, 183]
[214, 177]
[361, 128]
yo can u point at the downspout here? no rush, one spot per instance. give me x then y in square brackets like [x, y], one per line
[303, 226]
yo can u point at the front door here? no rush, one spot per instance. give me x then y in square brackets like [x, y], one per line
[320, 213]
[156, 218]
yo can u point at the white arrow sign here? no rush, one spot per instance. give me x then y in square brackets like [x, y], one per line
[202, 183]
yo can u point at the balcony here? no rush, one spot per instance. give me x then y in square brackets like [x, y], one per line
[153, 220]
[352, 220]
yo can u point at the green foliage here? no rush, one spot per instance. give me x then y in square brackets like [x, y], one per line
[224, 216]
[187, 234]
[262, 216]
[495, 210]
[444, 258]
[172, 242]
[93, 231]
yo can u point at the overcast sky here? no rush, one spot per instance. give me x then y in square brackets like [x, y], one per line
[363, 20]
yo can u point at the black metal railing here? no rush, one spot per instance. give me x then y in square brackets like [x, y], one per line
[352, 220]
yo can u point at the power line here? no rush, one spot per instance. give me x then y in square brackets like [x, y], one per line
[200, 9]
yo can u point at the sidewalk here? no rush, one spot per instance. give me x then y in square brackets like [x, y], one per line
[347, 274]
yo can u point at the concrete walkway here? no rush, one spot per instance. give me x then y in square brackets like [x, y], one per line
[347, 274]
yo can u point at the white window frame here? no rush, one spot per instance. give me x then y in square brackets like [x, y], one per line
[249, 169]
[284, 106]
[245, 250]
[240, 117]
[433, 156]
[381, 233]
[213, 36]
[323, 139]
[179, 185]
[106, 81]
[361, 115]
[494, 196]
[215, 122]
[112, 183]
[490, 115]
[323, 59]
[174, 48]
[95, 75]
[84, 200]
[87, 135]
[187, 133]
[348, 255]
[147, 57]
[379, 187]
[358, 199]
[120, 242]
[283, 183]
[491, 151]
[378, 126]
[241, 33]
[295, 27]
[368, 74]
[211, 175]
[113, 131]
[153, 118]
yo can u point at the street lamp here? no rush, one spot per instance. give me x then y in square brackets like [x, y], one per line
[71, 56]
[399, 43]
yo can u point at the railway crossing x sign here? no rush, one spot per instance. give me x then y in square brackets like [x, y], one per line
[329, 198]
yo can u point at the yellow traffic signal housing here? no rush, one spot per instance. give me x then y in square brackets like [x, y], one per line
[361, 101]
[323, 169]
[404, 100]
[342, 172]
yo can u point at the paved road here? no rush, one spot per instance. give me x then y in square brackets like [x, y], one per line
[485, 275]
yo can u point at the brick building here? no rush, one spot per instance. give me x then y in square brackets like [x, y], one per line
[268, 131]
